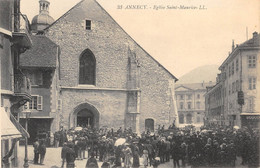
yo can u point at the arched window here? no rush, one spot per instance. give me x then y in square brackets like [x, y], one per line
[189, 119]
[181, 119]
[149, 125]
[87, 68]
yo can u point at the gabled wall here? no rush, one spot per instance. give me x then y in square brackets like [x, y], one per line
[110, 45]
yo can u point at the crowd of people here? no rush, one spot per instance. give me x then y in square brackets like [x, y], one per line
[211, 146]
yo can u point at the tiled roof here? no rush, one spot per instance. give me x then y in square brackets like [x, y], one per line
[194, 86]
[253, 42]
[44, 53]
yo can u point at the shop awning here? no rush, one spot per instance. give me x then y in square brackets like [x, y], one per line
[8, 130]
[10, 127]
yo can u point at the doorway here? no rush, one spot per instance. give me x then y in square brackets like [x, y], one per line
[149, 125]
[85, 118]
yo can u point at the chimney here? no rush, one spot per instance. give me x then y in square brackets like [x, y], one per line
[255, 35]
[233, 45]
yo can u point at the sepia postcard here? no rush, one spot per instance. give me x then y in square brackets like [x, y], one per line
[130, 83]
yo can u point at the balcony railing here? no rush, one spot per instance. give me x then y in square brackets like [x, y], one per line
[21, 31]
[22, 86]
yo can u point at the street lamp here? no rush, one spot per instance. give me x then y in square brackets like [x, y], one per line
[27, 115]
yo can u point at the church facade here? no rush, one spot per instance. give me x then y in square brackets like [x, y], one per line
[106, 78]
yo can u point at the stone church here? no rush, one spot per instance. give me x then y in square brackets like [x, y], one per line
[105, 78]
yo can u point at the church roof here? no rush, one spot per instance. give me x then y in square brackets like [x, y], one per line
[42, 54]
[65, 14]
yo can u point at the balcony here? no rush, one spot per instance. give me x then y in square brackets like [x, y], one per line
[22, 89]
[21, 31]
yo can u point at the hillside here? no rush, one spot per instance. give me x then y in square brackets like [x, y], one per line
[204, 73]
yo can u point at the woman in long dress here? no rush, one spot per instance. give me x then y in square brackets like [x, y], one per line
[145, 157]
[128, 157]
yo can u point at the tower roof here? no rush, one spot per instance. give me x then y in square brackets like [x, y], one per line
[41, 21]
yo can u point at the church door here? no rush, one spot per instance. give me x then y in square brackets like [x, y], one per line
[85, 118]
[149, 125]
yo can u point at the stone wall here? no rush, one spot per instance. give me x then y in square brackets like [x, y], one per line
[110, 105]
[110, 45]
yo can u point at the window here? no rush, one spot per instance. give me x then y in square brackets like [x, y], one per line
[35, 78]
[181, 97]
[198, 105]
[252, 83]
[251, 61]
[59, 104]
[88, 24]
[181, 119]
[188, 118]
[229, 90]
[34, 104]
[189, 97]
[189, 105]
[230, 105]
[237, 85]
[229, 70]
[198, 96]
[236, 64]
[181, 105]
[87, 69]
[232, 68]
[251, 104]
[233, 87]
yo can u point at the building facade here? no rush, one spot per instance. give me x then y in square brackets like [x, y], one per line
[214, 104]
[236, 91]
[41, 65]
[191, 103]
[15, 88]
[106, 78]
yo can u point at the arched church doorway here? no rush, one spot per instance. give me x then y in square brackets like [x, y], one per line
[85, 118]
[84, 115]
[149, 125]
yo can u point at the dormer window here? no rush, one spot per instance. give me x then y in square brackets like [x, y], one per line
[88, 24]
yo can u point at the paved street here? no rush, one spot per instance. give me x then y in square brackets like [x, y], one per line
[52, 159]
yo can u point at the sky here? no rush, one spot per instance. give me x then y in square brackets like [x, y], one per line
[180, 39]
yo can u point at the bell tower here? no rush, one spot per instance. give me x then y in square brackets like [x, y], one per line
[44, 6]
[43, 20]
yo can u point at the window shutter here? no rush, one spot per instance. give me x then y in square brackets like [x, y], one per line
[39, 103]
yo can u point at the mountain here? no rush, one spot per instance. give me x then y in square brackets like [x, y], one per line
[204, 73]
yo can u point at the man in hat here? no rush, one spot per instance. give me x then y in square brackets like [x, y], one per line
[70, 156]
[92, 162]
[63, 153]
[36, 151]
